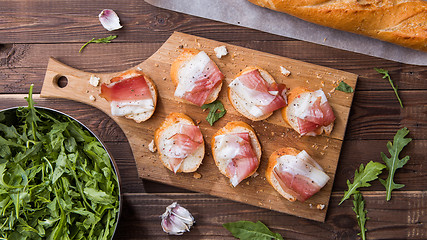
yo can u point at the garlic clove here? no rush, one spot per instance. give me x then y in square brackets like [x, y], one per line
[176, 219]
[109, 20]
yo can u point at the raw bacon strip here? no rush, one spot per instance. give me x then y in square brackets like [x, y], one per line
[299, 175]
[135, 88]
[255, 90]
[237, 149]
[182, 144]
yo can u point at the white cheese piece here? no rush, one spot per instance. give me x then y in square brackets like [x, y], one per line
[190, 72]
[285, 71]
[94, 80]
[123, 108]
[92, 98]
[220, 51]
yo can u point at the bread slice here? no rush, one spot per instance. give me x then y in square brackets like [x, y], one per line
[180, 62]
[288, 112]
[239, 103]
[143, 116]
[235, 127]
[167, 129]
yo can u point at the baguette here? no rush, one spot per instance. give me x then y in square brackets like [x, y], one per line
[183, 77]
[128, 104]
[246, 105]
[221, 162]
[168, 128]
[297, 100]
[402, 22]
[297, 187]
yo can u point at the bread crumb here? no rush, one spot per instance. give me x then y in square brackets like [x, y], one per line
[94, 80]
[92, 98]
[156, 65]
[220, 51]
[320, 206]
[138, 68]
[310, 205]
[247, 183]
[285, 71]
[180, 46]
[255, 174]
[152, 147]
[197, 175]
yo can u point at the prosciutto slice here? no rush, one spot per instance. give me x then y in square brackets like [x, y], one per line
[181, 144]
[263, 97]
[300, 175]
[236, 149]
[197, 79]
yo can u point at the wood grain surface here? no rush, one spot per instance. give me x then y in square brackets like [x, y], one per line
[32, 31]
[273, 132]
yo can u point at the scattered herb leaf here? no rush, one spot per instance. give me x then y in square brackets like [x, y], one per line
[216, 111]
[362, 177]
[393, 163]
[359, 209]
[56, 179]
[247, 230]
[386, 75]
[100, 40]
[344, 87]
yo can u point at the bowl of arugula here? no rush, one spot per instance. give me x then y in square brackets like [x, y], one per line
[57, 180]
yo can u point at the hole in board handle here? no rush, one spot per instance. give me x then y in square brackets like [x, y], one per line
[62, 81]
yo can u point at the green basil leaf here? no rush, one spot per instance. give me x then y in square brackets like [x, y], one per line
[247, 230]
[216, 111]
[344, 87]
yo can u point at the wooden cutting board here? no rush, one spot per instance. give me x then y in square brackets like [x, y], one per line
[273, 133]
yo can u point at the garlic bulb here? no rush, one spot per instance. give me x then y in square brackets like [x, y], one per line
[109, 20]
[176, 220]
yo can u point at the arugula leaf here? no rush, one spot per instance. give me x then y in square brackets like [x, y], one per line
[344, 87]
[362, 177]
[247, 230]
[393, 163]
[386, 75]
[99, 40]
[216, 111]
[359, 209]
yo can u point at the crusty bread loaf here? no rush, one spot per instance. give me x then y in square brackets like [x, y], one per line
[272, 161]
[238, 103]
[288, 111]
[402, 22]
[179, 62]
[235, 127]
[166, 130]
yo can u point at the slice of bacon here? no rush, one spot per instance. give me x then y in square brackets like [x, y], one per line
[182, 144]
[318, 114]
[135, 88]
[243, 160]
[300, 175]
[209, 78]
[267, 97]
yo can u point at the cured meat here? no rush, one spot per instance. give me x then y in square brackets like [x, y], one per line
[197, 79]
[263, 97]
[300, 175]
[241, 158]
[182, 144]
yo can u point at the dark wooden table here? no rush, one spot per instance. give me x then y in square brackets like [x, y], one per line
[32, 31]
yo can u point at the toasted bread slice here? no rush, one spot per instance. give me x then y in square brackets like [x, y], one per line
[181, 61]
[168, 128]
[235, 127]
[138, 116]
[240, 104]
[295, 96]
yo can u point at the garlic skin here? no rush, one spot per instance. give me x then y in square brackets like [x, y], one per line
[176, 220]
[109, 20]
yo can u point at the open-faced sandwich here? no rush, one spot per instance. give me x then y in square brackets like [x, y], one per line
[236, 151]
[180, 143]
[255, 94]
[131, 94]
[294, 174]
[308, 112]
[197, 78]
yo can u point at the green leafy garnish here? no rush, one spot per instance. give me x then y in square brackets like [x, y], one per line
[344, 87]
[247, 230]
[363, 177]
[56, 179]
[359, 209]
[393, 163]
[216, 111]
[386, 75]
[99, 40]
